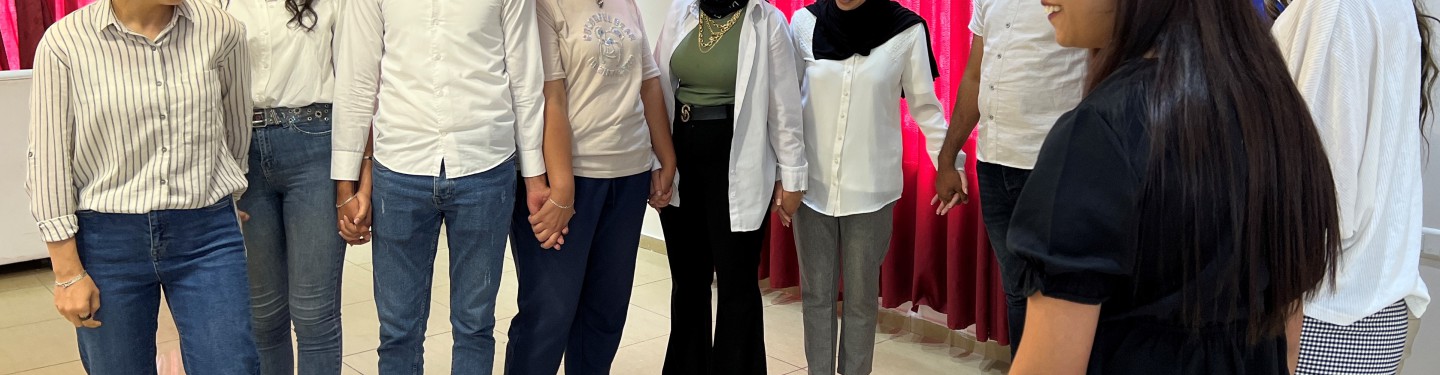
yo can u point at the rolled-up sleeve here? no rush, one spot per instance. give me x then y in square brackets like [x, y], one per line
[49, 177]
[359, 43]
[522, 56]
[1074, 223]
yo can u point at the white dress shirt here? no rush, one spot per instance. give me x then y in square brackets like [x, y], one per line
[853, 132]
[291, 67]
[456, 84]
[120, 124]
[1027, 79]
[1369, 121]
[768, 121]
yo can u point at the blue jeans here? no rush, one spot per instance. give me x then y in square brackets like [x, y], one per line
[294, 251]
[408, 213]
[1000, 188]
[197, 257]
[573, 302]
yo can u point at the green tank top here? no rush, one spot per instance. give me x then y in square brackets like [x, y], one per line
[708, 78]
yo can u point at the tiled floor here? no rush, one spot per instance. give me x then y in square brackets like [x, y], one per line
[34, 340]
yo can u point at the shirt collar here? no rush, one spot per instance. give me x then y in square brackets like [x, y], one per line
[105, 15]
[754, 6]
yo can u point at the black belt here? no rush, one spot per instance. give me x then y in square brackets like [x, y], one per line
[264, 117]
[690, 113]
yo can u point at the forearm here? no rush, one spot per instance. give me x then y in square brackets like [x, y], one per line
[1292, 337]
[1059, 337]
[65, 259]
[661, 140]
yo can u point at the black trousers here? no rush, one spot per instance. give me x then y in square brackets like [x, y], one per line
[702, 249]
[1000, 188]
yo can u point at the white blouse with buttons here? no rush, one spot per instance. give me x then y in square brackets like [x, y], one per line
[853, 132]
[292, 66]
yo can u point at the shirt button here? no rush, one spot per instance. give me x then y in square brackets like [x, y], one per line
[162, 181]
[163, 116]
[159, 83]
[164, 149]
[1007, 25]
[999, 56]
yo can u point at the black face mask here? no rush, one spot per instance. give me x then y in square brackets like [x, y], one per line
[721, 8]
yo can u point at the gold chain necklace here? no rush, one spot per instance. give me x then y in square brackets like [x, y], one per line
[716, 30]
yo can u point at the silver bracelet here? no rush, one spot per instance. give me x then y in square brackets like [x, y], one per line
[552, 201]
[67, 284]
[347, 201]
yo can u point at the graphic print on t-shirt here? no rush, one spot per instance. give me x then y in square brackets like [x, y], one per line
[609, 31]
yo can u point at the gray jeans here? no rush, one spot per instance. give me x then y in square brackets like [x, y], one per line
[831, 248]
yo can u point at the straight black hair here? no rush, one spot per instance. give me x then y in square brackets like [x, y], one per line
[1220, 79]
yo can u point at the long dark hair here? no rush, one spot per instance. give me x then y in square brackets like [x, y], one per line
[302, 13]
[1233, 150]
[1429, 68]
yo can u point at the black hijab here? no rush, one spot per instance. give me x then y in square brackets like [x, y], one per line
[718, 9]
[840, 34]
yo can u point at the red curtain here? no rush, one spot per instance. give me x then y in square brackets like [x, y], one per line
[941, 262]
[23, 22]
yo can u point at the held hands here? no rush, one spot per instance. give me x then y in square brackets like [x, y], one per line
[662, 184]
[353, 211]
[950, 189]
[550, 212]
[786, 204]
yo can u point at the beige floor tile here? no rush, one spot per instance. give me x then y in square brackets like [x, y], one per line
[168, 359]
[21, 277]
[25, 306]
[644, 358]
[67, 368]
[800, 372]
[653, 297]
[345, 369]
[642, 325]
[785, 333]
[45, 343]
[361, 324]
[357, 285]
[367, 266]
[437, 356]
[165, 328]
[911, 355]
[651, 267]
[776, 366]
[358, 254]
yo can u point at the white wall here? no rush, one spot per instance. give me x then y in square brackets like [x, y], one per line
[17, 228]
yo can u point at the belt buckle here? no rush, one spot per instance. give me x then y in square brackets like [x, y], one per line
[685, 113]
[257, 120]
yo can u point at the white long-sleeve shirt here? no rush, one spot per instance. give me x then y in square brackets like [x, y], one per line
[853, 135]
[767, 107]
[291, 66]
[452, 83]
[1357, 63]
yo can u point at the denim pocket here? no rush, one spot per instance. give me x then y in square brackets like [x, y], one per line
[315, 127]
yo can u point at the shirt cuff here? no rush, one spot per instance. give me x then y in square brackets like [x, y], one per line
[960, 161]
[532, 163]
[794, 178]
[60, 228]
[345, 165]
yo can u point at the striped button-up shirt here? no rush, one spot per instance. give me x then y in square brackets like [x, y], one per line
[123, 124]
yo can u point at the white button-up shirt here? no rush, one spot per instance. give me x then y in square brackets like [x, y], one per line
[853, 134]
[291, 67]
[767, 108]
[452, 83]
[1028, 80]
[125, 125]
[1357, 63]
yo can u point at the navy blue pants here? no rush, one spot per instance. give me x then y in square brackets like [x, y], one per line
[573, 301]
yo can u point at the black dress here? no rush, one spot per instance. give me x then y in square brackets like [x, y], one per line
[1077, 224]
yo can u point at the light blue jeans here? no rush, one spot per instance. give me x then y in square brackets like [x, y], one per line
[295, 254]
[409, 211]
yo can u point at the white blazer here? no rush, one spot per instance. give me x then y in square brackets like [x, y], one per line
[768, 107]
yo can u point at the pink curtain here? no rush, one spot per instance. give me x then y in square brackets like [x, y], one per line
[941, 262]
[23, 22]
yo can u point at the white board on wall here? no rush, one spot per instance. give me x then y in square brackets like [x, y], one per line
[17, 228]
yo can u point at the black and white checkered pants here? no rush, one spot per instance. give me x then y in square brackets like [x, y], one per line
[1373, 345]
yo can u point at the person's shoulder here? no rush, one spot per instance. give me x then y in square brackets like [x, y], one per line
[206, 12]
